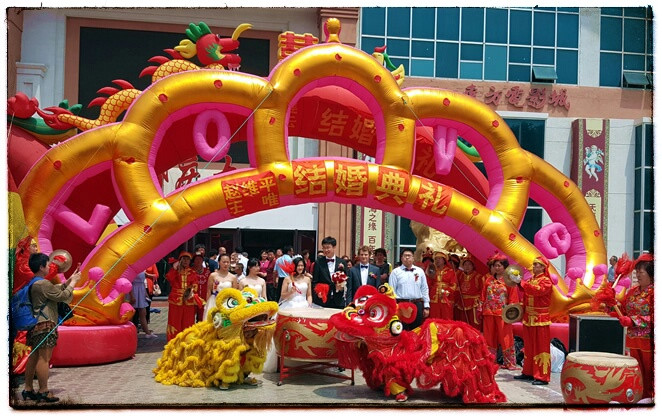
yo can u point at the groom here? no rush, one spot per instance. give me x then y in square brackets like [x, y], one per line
[325, 266]
[363, 273]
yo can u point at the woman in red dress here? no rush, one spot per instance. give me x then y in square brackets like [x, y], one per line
[637, 310]
[496, 294]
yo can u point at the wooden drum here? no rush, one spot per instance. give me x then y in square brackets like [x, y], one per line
[306, 334]
[600, 377]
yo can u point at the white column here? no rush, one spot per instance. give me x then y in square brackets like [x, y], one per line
[589, 46]
[29, 79]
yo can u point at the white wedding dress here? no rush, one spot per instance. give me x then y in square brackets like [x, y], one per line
[298, 299]
[211, 302]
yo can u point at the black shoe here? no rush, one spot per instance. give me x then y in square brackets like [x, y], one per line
[44, 397]
[539, 383]
[32, 395]
[523, 377]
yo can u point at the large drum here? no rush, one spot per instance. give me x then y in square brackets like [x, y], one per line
[600, 377]
[305, 334]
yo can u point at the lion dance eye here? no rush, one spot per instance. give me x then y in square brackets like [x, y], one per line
[231, 303]
[377, 313]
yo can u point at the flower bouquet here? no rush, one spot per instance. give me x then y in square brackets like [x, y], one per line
[339, 277]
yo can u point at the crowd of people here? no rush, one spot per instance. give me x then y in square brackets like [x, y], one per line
[441, 285]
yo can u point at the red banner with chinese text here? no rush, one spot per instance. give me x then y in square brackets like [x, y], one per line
[433, 198]
[309, 179]
[590, 150]
[392, 186]
[350, 179]
[251, 194]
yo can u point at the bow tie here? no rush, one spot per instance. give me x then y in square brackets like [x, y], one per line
[364, 266]
[330, 260]
[409, 269]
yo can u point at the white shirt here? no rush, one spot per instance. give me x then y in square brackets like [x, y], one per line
[410, 284]
[364, 273]
[331, 265]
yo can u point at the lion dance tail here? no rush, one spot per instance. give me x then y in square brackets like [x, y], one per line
[460, 360]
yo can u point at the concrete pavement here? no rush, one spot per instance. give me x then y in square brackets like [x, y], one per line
[130, 384]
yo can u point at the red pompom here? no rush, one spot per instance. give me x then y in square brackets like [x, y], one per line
[625, 321]
[322, 291]
[287, 267]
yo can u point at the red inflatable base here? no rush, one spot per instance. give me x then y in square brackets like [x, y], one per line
[91, 345]
[556, 330]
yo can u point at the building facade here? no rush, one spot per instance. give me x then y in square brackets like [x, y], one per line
[564, 79]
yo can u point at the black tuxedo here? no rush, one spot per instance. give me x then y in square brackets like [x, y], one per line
[321, 276]
[354, 281]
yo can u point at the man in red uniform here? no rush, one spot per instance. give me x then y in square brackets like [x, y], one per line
[181, 302]
[443, 286]
[536, 320]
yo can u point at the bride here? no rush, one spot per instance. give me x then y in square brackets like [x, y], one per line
[296, 291]
[218, 281]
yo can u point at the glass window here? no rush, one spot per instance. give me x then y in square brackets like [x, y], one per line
[397, 47]
[520, 27]
[610, 69]
[648, 191]
[496, 26]
[638, 143]
[368, 44]
[531, 223]
[634, 62]
[647, 232]
[567, 66]
[635, 11]
[520, 55]
[610, 34]
[635, 35]
[568, 34]
[472, 24]
[471, 71]
[471, 52]
[532, 136]
[407, 236]
[519, 72]
[422, 49]
[649, 37]
[495, 62]
[397, 61]
[569, 9]
[448, 56]
[543, 56]
[422, 25]
[398, 21]
[422, 68]
[614, 11]
[372, 20]
[649, 144]
[544, 27]
[448, 23]
[637, 189]
[637, 232]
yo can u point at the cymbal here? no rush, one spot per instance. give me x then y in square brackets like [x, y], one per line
[512, 313]
[61, 266]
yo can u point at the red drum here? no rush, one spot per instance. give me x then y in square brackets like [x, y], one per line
[305, 334]
[600, 377]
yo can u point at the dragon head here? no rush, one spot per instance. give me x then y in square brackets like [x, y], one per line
[242, 309]
[373, 313]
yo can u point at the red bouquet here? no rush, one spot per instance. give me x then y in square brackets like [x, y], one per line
[339, 277]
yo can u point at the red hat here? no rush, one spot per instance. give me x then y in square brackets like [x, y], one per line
[184, 253]
[543, 261]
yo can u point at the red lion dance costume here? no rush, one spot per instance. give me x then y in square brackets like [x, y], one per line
[371, 337]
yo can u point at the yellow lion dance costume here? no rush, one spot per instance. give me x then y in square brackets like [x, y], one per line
[224, 349]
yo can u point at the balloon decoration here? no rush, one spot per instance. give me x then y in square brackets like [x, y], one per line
[328, 91]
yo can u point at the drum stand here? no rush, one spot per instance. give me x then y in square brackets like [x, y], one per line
[315, 367]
